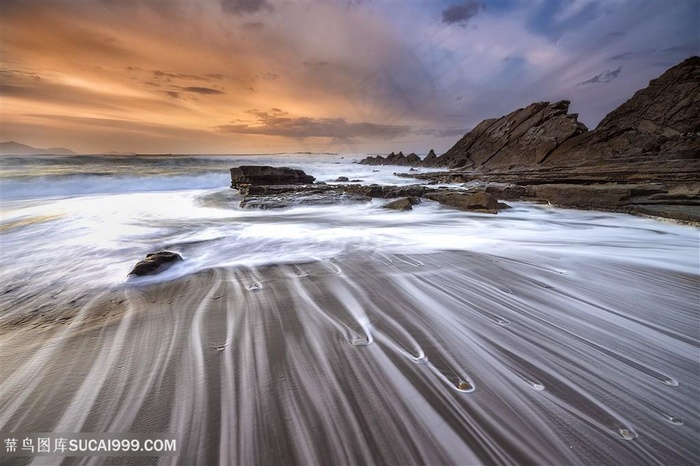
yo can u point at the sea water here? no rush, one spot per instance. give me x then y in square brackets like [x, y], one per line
[76, 222]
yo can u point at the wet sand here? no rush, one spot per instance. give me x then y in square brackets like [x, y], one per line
[446, 358]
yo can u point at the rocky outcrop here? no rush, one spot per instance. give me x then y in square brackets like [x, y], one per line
[155, 263]
[636, 160]
[429, 159]
[265, 175]
[411, 160]
[657, 129]
[276, 188]
[403, 204]
[526, 136]
[277, 196]
[479, 201]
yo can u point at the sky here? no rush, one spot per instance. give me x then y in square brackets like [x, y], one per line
[343, 76]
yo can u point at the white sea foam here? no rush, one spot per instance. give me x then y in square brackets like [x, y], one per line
[90, 230]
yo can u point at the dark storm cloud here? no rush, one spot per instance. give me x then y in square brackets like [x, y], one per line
[461, 13]
[201, 90]
[163, 74]
[166, 76]
[239, 7]
[278, 123]
[604, 77]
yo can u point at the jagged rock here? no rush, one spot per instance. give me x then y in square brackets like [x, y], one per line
[543, 153]
[659, 125]
[523, 137]
[403, 204]
[393, 159]
[430, 158]
[155, 263]
[265, 175]
[480, 202]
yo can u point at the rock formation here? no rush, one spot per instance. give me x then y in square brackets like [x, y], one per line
[524, 137]
[264, 175]
[479, 201]
[277, 196]
[402, 204]
[155, 263]
[658, 128]
[643, 157]
[411, 160]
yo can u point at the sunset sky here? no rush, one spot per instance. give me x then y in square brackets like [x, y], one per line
[227, 76]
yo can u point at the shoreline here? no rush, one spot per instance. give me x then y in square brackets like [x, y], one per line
[451, 357]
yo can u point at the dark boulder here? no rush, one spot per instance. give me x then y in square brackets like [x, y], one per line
[155, 263]
[405, 203]
[479, 202]
[265, 175]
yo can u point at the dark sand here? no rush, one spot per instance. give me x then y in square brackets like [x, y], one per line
[446, 358]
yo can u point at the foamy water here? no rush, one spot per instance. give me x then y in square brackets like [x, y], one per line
[70, 221]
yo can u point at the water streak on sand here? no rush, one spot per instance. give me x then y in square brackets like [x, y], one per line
[367, 362]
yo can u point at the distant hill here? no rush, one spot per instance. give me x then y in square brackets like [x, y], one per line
[15, 148]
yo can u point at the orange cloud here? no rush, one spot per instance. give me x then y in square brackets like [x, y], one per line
[102, 76]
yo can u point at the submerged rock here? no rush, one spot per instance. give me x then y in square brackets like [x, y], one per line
[478, 202]
[155, 263]
[405, 203]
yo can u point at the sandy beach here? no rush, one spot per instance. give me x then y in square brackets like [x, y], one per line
[453, 357]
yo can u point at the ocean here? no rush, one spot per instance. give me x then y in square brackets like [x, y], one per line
[87, 219]
[574, 332]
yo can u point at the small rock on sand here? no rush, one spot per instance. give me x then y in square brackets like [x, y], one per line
[155, 263]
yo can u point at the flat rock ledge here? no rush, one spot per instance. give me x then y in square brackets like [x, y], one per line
[478, 202]
[266, 175]
[645, 196]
